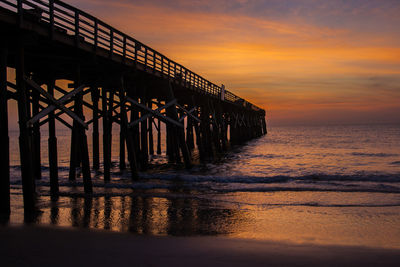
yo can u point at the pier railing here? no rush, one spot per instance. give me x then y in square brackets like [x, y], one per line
[84, 27]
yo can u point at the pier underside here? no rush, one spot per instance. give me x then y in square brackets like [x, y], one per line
[108, 77]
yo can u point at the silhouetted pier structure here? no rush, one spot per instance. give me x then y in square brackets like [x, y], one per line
[129, 84]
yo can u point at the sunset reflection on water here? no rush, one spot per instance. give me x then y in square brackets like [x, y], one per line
[234, 215]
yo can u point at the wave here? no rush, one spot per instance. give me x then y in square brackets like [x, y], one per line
[238, 179]
[241, 204]
[126, 189]
[379, 155]
[387, 178]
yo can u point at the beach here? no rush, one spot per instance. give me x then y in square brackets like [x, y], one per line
[44, 246]
[300, 196]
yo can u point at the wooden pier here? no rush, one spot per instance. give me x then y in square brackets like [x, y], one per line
[129, 83]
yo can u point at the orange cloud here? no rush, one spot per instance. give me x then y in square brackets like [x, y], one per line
[288, 65]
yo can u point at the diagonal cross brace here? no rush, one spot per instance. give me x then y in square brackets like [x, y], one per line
[188, 113]
[242, 121]
[155, 112]
[64, 99]
[56, 103]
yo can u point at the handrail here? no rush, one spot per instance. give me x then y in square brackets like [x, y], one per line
[85, 27]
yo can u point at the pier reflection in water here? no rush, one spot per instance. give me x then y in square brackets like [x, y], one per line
[166, 212]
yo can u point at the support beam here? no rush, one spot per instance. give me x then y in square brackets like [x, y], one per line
[151, 141]
[25, 142]
[144, 152]
[83, 150]
[180, 131]
[134, 131]
[122, 164]
[55, 102]
[95, 129]
[189, 131]
[52, 142]
[128, 137]
[74, 159]
[37, 168]
[155, 112]
[4, 138]
[107, 124]
[159, 137]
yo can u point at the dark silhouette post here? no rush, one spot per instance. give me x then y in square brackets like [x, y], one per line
[4, 139]
[180, 133]
[73, 161]
[122, 164]
[95, 134]
[159, 137]
[25, 140]
[144, 144]
[151, 141]
[128, 136]
[36, 137]
[106, 133]
[52, 142]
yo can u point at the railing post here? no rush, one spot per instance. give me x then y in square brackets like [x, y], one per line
[154, 61]
[51, 14]
[76, 27]
[124, 49]
[111, 42]
[145, 57]
[136, 51]
[96, 36]
[4, 139]
[174, 70]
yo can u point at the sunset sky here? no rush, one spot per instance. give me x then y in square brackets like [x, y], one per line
[304, 61]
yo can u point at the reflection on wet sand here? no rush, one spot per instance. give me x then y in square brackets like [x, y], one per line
[181, 213]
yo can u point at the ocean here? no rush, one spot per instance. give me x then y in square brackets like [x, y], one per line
[336, 185]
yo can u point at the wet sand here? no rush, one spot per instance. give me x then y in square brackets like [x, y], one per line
[44, 246]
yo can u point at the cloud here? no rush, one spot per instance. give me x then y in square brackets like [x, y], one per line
[293, 57]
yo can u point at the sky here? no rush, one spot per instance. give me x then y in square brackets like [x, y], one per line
[304, 61]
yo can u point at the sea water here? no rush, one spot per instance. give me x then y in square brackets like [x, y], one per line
[336, 184]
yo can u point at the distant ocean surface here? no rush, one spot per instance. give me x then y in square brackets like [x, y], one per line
[324, 184]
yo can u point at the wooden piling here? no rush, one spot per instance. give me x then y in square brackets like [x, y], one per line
[106, 138]
[150, 127]
[25, 142]
[135, 130]
[37, 169]
[52, 142]
[144, 151]
[4, 138]
[159, 137]
[82, 141]
[128, 135]
[189, 132]
[95, 133]
[199, 137]
[264, 125]
[180, 134]
[169, 144]
[73, 159]
[205, 131]
[122, 164]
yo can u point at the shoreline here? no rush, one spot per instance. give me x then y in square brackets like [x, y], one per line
[50, 246]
